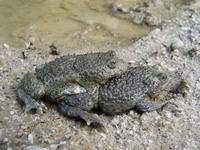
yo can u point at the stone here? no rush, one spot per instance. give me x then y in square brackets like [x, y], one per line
[34, 147]
[30, 138]
[177, 44]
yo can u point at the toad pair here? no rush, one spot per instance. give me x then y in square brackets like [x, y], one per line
[79, 83]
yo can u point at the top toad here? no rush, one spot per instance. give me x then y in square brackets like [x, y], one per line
[64, 74]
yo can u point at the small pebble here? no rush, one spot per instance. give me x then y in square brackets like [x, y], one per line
[19, 134]
[163, 64]
[177, 44]
[30, 44]
[131, 112]
[63, 139]
[98, 27]
[24, 55]
[104, 136]
[185, 28]
[54, 50]
[150, 141]
[5, 140]
[6, 118]
[12, 112]
[115, 121]
[193, 52]
[54, 146]
[118, 132]
[34, 147]
[30, 138]
[32, 40]
[157, 30]
[132, 61]
[168, 115]
[6, 46]
[131, 132]
[62, 142]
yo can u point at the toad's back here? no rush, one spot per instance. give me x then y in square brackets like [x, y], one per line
[120, 94]
[97, 67]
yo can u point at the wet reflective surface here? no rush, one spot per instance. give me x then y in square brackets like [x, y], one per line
[64, 22]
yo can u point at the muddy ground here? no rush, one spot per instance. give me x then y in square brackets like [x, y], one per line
[173, 44]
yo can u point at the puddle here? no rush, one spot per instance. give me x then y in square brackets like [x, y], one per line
[64, 22]
[16, 16]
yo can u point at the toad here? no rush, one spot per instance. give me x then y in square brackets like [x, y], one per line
[71, 74]
[144, 87]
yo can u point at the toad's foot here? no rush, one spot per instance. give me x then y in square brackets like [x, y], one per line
[77, 112]
[28, 103]
[40, 107]
[29, 92]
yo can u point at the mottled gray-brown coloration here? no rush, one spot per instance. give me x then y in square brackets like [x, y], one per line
[56, 78]
[143, 87]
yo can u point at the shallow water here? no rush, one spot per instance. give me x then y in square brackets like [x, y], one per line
[67, 23]
[15, 17]
[63, 22]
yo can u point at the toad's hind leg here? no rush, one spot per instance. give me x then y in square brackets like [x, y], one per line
[30, 90]
[71, 111]
[161, 96]
[149, 105]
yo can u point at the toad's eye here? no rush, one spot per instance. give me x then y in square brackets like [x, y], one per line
[112, 65]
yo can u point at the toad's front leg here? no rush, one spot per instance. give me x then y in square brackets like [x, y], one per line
[29, 92]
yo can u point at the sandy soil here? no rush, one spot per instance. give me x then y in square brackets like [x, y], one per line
[174, 45]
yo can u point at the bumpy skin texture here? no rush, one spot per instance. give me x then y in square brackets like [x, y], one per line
[145, 88]
[55, 78]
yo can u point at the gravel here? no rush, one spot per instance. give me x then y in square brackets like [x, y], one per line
[173, 46]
